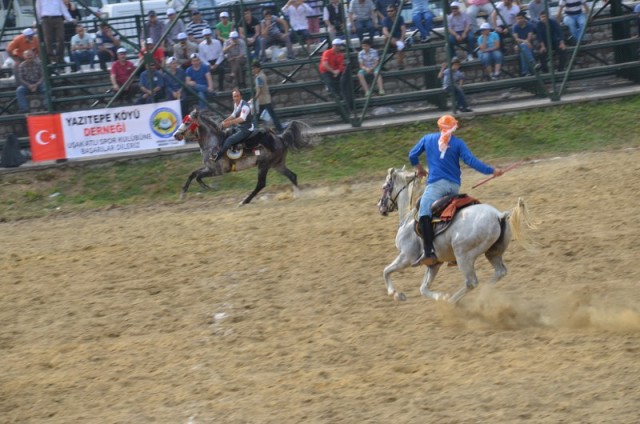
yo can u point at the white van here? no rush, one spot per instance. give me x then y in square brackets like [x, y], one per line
[115, 9]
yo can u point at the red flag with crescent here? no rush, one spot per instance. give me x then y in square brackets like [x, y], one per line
[46, 137]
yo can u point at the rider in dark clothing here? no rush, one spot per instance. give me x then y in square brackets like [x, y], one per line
[241, 120]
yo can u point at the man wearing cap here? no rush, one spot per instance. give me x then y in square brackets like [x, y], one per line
[183, 50]
[108, 44]
[262, 99]
[241, 120]
[397, 36]
[443, 153]
[121, 70]
[274, 30]
[489, 51]
[29, 78]
[151, 85]
[195, 27]
[210, 51]
[158, 54]
[154, 28]
[332, 71]
[199, 78]
[452, 81]
[459, 26]
[523, 34]
[177, 28]
[174, 78]
[28, 40]
[298, 10]
[53, 14]
[235, 49]
[224, 27]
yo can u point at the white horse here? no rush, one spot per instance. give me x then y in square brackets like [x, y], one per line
[474, 230]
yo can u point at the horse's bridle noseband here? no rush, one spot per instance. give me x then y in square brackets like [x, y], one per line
[387, 190]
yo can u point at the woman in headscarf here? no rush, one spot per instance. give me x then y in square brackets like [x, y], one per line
[443, 153]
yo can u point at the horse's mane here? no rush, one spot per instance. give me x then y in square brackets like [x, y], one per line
[208, 120]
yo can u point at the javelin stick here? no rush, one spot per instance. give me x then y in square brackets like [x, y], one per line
[508, 168]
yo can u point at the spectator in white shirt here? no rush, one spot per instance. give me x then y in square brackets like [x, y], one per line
[298, 10]
[53, 14]
[210, 51]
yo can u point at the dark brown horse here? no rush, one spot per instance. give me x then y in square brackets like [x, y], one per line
[263, 149]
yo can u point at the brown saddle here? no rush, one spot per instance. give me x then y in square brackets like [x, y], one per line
[443, 210]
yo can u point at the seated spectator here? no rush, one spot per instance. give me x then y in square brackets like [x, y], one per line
[422, 18]
[452, 81]
[158, 54]
[473, 8]
[30, 79]
[199, 79]
[151, 85]
[489, 50]
[362, 15]
[177, 28]
[121, 71]
[557, 42]
[503, 19]
[234, 50]
[28, 40]
[252, 34]
[108, 45]
[533, 9]
[174, 78]
[274, 32]
[210, 51]
[523, 34]
[224, 27]
[333, 72]
[460, 31]
[82, 49]
[298, 10]
[575, 17]
[369, 60]
[184, 49]
[332, 16]
[154, 28]
[195, 27]
[397, 36]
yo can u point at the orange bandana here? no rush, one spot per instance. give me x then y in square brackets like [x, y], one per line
[447, 125]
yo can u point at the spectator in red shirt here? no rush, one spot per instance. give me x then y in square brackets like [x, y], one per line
[158, 55]
[333, 72]
[121, 70]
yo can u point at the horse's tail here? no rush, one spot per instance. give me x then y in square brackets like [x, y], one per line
[297, 135]
[519, 220]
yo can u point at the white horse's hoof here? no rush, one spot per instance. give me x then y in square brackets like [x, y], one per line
[400, 297]
[441, 297]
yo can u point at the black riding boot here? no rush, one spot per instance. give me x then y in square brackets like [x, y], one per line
[428, 255]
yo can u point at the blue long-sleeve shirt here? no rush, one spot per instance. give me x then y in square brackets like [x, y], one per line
[448, 167]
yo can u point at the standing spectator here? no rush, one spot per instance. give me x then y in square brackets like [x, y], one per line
[195, 27]
[154, 28]
[314, 19]
[70, 27]
[397, 36]
[575, 17]
[362, 15]
[210, 51]
[108, 44]
[184, 49]
[174, 78]
[151, 85]
[30, 80]
[234, 50]
[199, 78]
[460, 31]
[53, 14]
[422, 18]
[158, 54]
[333, 71]
[332, 15]
[274, 31]
[523, 34]
[28, 40]
[172, 35]
[252, 34]
[489, 50]
[503, 19]
[121, 70]
[298, 10]
[262, 99]
[369, 60]
[452, 81]
[557, 42]
[82, 49]
[224, 27]
[474, 7]
[533, 9]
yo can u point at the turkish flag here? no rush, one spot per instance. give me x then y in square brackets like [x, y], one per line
[46, 137]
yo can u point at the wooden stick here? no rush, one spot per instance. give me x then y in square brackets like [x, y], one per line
[508, 168]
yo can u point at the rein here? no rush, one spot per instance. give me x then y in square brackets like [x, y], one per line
[394, 200]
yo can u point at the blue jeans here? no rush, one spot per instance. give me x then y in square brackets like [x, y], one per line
[365, 26]
[86, 56]
[471, 43]
[491, 58]
[526, 59]
[202, 91]
[461, 101]
[575, 24]
[21, 95]
[424, 28]
[433, 192]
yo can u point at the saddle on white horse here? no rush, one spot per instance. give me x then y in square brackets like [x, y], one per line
[444, 210]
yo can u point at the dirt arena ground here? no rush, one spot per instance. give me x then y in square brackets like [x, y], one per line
[277, 312]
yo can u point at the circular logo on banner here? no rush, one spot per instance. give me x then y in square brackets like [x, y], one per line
[164, 122]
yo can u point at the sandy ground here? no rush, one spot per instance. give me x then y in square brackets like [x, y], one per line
[277, 312]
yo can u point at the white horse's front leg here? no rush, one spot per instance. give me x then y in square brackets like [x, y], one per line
[430, 275]
[400, 262]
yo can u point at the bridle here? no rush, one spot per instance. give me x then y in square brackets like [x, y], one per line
[387, 203]
[189, 124]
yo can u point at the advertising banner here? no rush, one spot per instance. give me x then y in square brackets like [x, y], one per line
[98, 132]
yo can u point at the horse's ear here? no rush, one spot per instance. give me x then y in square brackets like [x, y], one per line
[404, 167]
[194, 113]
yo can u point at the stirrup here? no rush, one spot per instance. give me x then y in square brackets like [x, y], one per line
[426, 260]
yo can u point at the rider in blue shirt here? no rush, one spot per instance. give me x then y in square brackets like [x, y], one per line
[443, 153]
